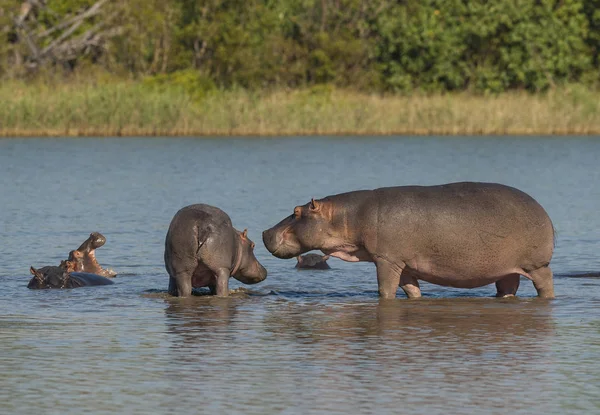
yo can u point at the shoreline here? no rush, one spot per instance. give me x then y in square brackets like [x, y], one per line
[250, 135]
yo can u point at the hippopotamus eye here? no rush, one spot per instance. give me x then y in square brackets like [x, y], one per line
[252, 245]
[297, 212]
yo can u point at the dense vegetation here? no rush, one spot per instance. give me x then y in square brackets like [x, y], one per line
[366, 45]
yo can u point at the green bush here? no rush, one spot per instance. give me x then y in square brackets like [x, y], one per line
[379, 45]
[482, 45]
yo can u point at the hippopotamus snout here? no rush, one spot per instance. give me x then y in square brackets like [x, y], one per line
[270, 240]
[250, 270]
[281, 241]
[255, 274]
[97, 240]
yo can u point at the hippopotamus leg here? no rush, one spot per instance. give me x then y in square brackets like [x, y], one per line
[409, 284]
[391, 275]
[388, 278]
[208, 255]
[179, 289]
[201, 269]
[542, 281]
[180, 281]
[508, 286]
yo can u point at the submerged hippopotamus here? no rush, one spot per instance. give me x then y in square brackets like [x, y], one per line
[462, 235]
[202, 249]
[64, 276]
[84, 257]
[312, 261]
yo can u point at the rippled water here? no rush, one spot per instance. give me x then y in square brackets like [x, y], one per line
[302, 341]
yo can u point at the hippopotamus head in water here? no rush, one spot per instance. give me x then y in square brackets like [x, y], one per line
[63, 276]
[84, 257]
[50, 277]
[312, 261]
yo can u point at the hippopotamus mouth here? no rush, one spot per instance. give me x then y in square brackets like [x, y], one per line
[85, 256]
[96, 240]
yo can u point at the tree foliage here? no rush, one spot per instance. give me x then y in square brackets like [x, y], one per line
[381, 45]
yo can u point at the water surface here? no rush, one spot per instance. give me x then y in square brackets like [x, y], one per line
[301, 342]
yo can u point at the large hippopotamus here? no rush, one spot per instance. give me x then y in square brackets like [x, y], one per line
[462, 235]
[84, 257]
[64, 276]
[203, 249]
[312, 261]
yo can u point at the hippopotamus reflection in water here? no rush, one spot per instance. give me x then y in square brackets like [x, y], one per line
[64, 276]
[312, 261]
[203, 249]
[462, 235]
[84, 257]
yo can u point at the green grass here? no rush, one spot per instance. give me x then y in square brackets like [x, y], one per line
[127, 108]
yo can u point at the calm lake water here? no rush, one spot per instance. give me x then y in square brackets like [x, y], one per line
[301, 342]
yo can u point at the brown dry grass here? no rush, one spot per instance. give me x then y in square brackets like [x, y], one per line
[135, 109]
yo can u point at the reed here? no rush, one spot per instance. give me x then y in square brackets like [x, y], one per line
[128, 108]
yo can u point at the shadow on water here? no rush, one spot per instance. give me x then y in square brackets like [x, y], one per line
[300, 294]
[455, 326]
[193, 316]
[581, 274]
[199, 312]
[420, 330]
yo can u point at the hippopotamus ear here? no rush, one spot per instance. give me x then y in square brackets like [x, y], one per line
[67, 265]
[325, 257]
[314, 205]
[73, 255]
[299, 258]
[38, 276]
[245, 234]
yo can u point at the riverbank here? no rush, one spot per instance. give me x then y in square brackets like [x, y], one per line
[127, 108]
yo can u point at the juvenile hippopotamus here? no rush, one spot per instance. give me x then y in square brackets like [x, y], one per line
[312, 261]
[84, 257]
[63, 276]
[203, 249]
[462, 235]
